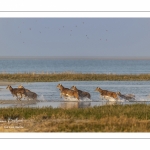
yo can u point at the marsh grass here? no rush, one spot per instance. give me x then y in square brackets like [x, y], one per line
[109, 118]
[68, 76]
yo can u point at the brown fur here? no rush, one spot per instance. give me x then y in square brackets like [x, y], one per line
[127, 97]
[17, 91]
[107, 93]
[20, 86]
[81, 93]
[67, 92]
[32, 95]
[29, 93]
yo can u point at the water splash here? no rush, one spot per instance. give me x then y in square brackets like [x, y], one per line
[74, 99]
[41, 98]
[70, 99]
[142, 98]
[85, 99]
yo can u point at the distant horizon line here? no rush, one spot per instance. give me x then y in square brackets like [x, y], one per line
[77, 57]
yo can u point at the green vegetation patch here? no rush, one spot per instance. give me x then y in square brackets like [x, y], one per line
[138, 111]
[109, 118]
[32, 77]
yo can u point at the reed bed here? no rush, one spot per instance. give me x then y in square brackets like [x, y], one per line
[108, 118]
[68, 76]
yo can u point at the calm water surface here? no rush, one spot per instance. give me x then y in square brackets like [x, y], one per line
[58, 65]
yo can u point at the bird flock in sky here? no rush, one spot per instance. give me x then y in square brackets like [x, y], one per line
[62, 27]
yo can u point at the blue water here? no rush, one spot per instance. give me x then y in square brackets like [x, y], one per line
[48, 93]
[78, 65]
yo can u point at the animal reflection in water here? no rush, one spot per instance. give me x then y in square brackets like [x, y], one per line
[73, 104]
[111, 102]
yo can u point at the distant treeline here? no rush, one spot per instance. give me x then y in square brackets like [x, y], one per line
[52, 77]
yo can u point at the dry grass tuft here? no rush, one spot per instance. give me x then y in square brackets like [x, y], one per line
[116, 118]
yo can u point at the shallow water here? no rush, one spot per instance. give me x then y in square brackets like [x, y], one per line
[49, 95]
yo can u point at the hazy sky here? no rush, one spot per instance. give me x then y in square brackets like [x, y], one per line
[100, 37]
